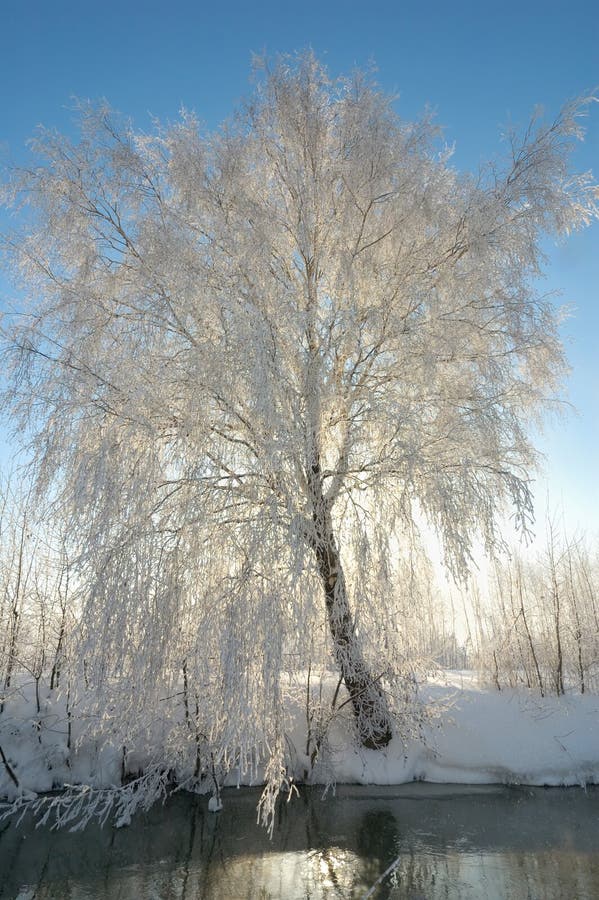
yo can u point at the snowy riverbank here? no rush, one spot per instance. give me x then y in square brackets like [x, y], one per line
[490, 737]
[480, 736]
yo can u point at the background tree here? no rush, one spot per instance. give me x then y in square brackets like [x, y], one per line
[252, 358]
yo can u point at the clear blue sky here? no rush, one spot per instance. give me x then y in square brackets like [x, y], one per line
[479, 64]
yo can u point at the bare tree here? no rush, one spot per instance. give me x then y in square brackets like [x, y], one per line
[252, 357]
[16, 575]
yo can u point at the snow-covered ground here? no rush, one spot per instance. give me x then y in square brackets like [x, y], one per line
[489, 737]
[479, 736]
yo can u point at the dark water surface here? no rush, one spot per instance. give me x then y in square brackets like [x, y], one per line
[451, 842]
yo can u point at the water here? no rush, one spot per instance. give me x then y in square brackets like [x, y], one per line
[450, 842]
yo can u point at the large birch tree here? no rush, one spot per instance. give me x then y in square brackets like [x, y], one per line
[251, 359]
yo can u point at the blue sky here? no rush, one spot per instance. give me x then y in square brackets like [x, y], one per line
[479, 65]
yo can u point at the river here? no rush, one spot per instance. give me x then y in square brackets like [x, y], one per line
[441, 841]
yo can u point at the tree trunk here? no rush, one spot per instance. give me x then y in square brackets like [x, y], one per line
[366, 695]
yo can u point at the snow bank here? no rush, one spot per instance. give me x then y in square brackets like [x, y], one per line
[479, 737]
[490, 737]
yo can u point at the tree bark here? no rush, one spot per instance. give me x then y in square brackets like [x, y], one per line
[367, 698]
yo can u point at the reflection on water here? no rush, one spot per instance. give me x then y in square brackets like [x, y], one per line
[450, 842]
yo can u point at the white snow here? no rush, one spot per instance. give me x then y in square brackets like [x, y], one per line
[490, 737]
[480, 736]
[215, 804]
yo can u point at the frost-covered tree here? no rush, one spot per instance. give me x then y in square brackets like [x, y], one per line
[253, 358]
